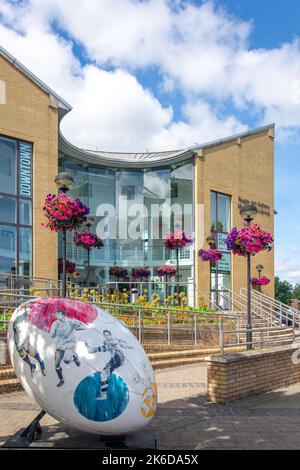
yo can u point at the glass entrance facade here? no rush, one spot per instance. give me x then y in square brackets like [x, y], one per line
[15, 206]
[133, 209]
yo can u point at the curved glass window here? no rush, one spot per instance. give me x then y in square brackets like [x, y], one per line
[133, 210]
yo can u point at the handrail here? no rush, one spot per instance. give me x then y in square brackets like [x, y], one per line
[282, 305]
[268, 307]
[262, 311]
[230, 298]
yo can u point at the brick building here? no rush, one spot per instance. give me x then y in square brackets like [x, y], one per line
[199, 189]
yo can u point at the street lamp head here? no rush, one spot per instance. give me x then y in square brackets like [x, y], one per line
[247, 212]
[64, 181]
[259, 267]
[89, 221]
[211, 240]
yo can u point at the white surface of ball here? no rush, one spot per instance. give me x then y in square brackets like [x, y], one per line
[82, 366]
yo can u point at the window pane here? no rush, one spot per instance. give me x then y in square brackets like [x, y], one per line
[213, 200]
[8, 166]
[224, 281]
[223, 213]
[8, 244]
[25, 241]
[7, 209]
[25, 212]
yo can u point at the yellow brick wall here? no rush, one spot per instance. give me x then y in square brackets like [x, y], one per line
[237, 376]
[27, 115]
[245, 170]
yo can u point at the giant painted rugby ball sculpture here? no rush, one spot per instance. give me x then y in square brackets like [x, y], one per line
[82, 366]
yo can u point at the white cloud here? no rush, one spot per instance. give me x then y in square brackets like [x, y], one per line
[200, 50]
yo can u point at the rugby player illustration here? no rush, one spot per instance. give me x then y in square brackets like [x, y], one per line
[64, 330]
[23, 346]
[113, 346]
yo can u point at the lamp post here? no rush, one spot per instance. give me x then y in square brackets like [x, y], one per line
[64, 182]
[211, 240]
[259, 268]
[247, 212]
[89, 222]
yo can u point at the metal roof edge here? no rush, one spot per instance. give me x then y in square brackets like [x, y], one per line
[63, 103]
[232, 137]
[87, 157]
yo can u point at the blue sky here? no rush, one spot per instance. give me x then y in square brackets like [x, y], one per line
[159, 74]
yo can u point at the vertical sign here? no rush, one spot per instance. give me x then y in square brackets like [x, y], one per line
[25, 179]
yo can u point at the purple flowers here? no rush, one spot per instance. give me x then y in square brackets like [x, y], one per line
[260, 281]
[140, 273]
[249, 239]
[210, 255]
[175, 240]
[166, 271]
[87, 240]
[118, 272]
[64, 212]
[70, 267]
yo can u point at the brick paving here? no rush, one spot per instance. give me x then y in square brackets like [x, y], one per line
[184, 420]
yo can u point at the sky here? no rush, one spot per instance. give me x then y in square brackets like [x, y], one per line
[146, 75]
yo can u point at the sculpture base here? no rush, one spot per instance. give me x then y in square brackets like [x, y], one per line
[57, 436]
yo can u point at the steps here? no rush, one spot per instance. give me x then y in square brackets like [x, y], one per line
[8, 380]
[175, 358]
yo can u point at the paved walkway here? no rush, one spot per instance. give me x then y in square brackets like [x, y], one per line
[185, 420]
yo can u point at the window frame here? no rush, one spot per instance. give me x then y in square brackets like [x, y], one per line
[19, 197]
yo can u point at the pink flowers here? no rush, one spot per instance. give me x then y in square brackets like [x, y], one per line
[140, 273]
[249, 239]
[87, 240]
[118, 272]
[176, 240]
[70, 267]
[166, 271]
[64, 212]
[260, 281]
[210, 255]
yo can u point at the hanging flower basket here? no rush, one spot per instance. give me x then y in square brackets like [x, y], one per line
[119, 272]
[70, 267]
[87, 240]
[167, 271]
[63, 212]
[260, 281]
[249, 239]
[141, 273]
[210, 255]
[175, 240]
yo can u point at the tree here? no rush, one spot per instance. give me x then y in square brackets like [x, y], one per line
[283, 291]
[296, 292]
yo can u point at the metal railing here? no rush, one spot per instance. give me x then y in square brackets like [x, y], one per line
[260, 336]
[135, 255]
[10, 281]
[162, 325]
[272, 310]
[281, 311]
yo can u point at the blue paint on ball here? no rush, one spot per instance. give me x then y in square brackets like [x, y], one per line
[89, 389]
